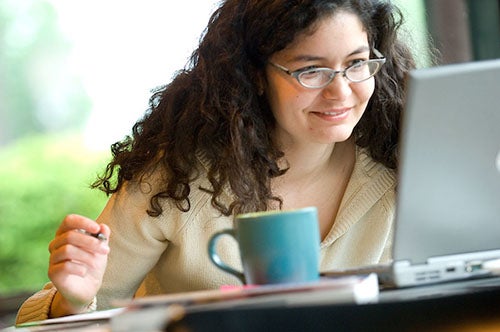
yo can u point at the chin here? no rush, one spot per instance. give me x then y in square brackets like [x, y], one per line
[338, 136]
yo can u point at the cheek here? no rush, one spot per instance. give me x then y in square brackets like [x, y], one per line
[289, 107]
[284, 98]
[365, 91]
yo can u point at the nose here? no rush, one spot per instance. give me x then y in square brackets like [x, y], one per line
[338, 89]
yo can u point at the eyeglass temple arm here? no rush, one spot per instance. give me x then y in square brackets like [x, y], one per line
[280, 67]
[378, 54]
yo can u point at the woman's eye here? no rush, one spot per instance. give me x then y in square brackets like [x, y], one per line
[354, 62]
[308, 69]
[311, 73]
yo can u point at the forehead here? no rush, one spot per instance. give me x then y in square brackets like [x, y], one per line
[342, 31]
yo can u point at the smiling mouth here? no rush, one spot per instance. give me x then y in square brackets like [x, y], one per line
[336, 113]
[333, 113]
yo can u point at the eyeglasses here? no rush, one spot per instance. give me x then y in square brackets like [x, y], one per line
[317, 78]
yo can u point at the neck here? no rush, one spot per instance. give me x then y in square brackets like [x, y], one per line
[316, 177]
[313, 160]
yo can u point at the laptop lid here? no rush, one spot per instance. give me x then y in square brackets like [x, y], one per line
[449, 175]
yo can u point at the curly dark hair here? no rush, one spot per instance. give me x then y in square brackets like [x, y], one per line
[213, 111]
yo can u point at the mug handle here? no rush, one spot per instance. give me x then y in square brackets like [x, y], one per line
[214, 257]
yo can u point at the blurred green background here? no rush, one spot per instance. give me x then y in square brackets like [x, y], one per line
[44, 178]
[45, 169]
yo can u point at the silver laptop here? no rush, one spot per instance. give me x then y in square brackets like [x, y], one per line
[448, 205]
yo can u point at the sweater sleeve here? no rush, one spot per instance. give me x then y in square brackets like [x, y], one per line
[37, 306]
[137, 241]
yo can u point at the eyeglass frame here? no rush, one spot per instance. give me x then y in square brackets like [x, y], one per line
[295, 74]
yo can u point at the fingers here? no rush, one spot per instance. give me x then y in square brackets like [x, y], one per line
[66, 268]
[104, 229]
[78, 260]
[74, 221]
[66, 234]
[80, 240]
[72, 253]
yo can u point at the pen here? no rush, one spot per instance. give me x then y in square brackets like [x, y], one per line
[98, 236]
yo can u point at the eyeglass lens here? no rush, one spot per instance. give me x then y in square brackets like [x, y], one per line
[322, 76]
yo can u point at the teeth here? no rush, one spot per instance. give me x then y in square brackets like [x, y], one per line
[332, 113]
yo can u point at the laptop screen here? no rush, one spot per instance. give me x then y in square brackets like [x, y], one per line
[449, 175]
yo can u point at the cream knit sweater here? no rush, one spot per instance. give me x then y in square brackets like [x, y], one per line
[168, 254]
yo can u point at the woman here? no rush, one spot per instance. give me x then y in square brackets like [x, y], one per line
[285, 104]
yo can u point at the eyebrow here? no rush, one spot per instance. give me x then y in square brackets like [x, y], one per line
[307, 57]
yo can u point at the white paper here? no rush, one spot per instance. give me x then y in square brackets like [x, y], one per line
[86, 317]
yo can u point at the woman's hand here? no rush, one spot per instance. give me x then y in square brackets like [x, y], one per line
[77, 263]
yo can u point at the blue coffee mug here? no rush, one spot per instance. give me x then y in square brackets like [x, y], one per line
[275, 246]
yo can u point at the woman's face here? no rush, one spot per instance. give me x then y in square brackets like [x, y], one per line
[329, 114]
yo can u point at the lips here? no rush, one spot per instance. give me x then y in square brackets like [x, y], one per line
[334, 113]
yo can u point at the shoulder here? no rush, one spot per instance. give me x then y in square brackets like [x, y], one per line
[133, 201]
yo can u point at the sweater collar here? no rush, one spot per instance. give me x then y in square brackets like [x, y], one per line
[369, 181]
